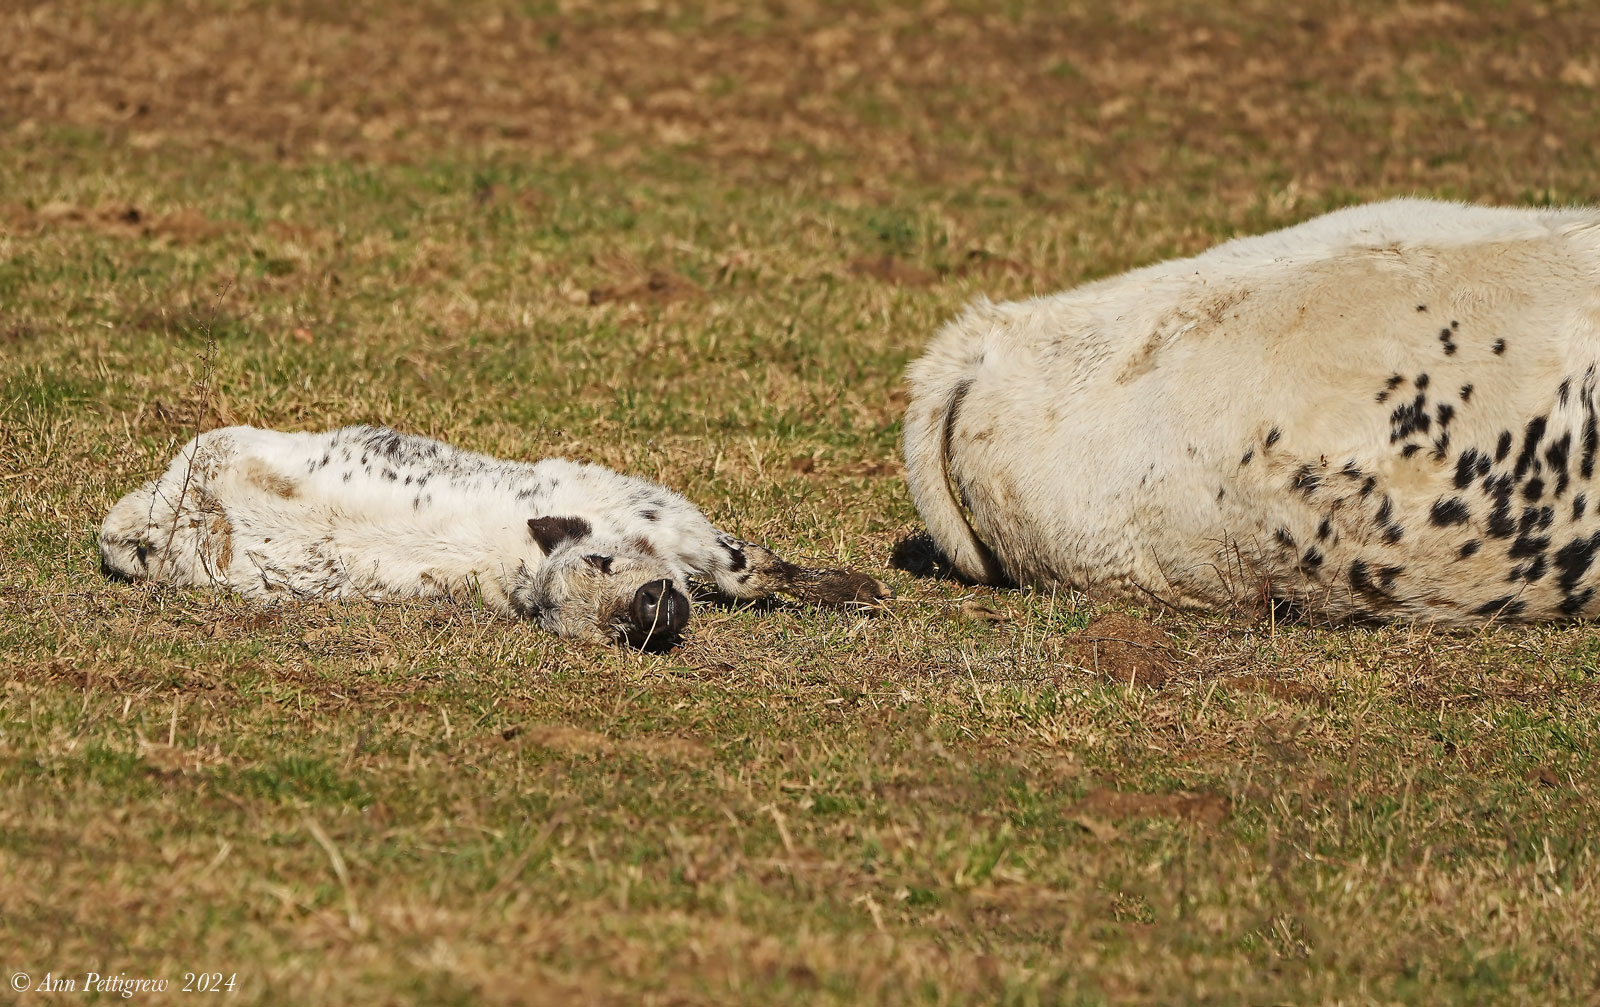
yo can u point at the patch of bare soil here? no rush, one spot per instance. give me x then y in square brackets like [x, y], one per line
[1203, 807]
[900, 273]
[1125, 649]
[896, 271]
[657, 286]
[569, 740]
[181, 227]
[1277, 688]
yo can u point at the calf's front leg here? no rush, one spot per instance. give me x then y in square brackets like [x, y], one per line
[749, 571]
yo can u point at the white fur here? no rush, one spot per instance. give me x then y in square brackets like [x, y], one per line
[1099, 437]
[367, 512]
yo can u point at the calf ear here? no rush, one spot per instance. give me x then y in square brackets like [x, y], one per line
[550, 532]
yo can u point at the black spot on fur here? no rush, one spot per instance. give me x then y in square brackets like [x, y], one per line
[1528, 545]
[1563, 390]
[1501, 523]
[1421, 308]
[1324, 529]
[650, 515]
[1574, 560]
[1350, 470]
[1502, 447]
[1506, 608]
[1533, 489]
[1368, 484]
[1441, 447]
[1392, 532]
[1464, 468]
[1247, 456]
[1449, 512]
[1393, 382]
[1311, 560]
[1409, 450]
[1530, 446]
[1591, 440]
[1469, 548]
[1360, 580]
[1538, 518]
[1381, 398]
[1272, 436]
[1387, 574]
[736, 558]
[1579, 502]
[1306, 480]
[1572, 604]
[1421, 382]
[1445, 413]
[1409, 417]
[1284, 538]
[551, 531]
[1466, 392]
[1555, 456]
[1499, 347]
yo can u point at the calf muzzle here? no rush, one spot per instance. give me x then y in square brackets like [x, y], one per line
[657, 616]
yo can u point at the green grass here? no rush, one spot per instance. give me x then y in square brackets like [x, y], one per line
[717, 282]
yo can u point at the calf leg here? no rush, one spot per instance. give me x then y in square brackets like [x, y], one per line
[747, 570]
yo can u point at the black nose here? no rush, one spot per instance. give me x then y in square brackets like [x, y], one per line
[660, 611]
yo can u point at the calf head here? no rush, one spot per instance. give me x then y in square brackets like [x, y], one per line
[597, 588]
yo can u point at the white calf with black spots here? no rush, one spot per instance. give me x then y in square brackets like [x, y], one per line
[366, 512]
[1386, 412]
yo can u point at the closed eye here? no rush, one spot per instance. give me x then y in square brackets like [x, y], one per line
[601, 563]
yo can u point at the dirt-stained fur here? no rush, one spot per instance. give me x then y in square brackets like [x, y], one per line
[1388, 411]
[367, 512]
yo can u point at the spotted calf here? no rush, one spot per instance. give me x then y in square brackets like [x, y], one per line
[1386, 412]
[366, 512]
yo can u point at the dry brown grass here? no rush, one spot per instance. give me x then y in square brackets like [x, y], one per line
[699, 243]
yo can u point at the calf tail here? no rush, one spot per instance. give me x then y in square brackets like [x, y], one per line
[940, 381]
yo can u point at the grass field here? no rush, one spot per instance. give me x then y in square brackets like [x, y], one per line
[699, 243]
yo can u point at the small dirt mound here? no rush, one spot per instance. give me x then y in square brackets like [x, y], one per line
[1125, 649]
